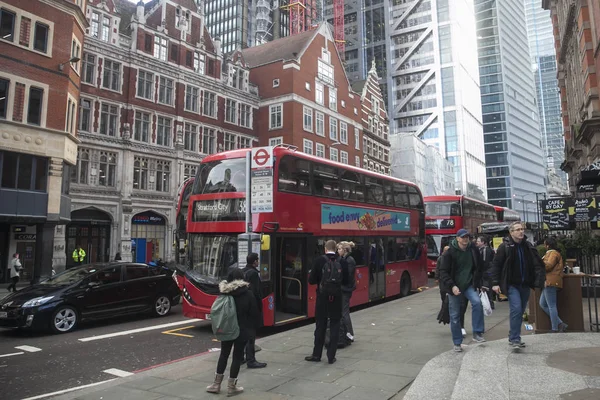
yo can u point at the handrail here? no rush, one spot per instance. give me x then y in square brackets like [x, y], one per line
[297, 280]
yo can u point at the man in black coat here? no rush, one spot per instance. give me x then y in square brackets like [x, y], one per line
[252, 276]
[328, 306]
[517, 268]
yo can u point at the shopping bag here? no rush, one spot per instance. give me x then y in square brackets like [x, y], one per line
[485, 302]
[444, 314]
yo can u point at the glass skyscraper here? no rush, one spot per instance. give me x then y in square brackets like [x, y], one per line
[543, 61]
[515, 165]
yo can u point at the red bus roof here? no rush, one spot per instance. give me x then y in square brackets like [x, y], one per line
[433, 199]
[240, 153]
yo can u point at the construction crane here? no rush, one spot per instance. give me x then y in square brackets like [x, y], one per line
[303, 16]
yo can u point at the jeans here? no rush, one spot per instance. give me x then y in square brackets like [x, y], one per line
[238, 355]
[548, 304]
[517, 301]
[346, 312]
[456, 306]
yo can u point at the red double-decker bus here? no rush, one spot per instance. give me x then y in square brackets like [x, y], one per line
[314, 200]
[504, 214]
[445, 215]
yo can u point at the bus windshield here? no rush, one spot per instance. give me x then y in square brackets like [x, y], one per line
[212, 255]
[221, 176]
[442, 209]
[435, 243]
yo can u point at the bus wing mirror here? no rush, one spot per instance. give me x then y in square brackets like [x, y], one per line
[265, 242]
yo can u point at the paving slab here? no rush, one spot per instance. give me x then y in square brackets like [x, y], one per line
[146, 383]
[310, 389]
[374, 381]
[121, 392]
[360, 393]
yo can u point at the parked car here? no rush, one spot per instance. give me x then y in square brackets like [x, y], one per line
[90, 292]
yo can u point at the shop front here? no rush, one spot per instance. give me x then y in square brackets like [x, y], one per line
[90, 229]
[148, 237]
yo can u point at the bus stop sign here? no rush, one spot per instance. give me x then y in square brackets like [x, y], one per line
[262, 157]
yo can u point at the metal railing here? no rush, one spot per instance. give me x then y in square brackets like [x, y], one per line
[590, 285]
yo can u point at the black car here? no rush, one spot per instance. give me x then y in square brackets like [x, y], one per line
[88, 292]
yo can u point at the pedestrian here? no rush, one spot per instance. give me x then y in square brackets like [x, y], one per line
[78, 255]
[347, 262]
[329, 276]
[553, 263]
[463, 303]
[461, 274]
[517, 267]
[487, 254]
[14, 271]
[247, 317]
[252, 276]
[118, 257]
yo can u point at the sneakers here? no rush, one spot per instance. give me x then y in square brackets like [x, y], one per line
[464, 332]
[478, 337]
[350, 337]
[517, 344]
[458, 349]
[562, 327]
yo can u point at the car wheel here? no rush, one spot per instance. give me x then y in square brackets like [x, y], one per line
[405, 285]
[64, 319]
[162, 305]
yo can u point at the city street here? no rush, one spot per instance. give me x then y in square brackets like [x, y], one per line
[32, 364]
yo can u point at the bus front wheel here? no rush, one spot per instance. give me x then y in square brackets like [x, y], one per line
[405, 285]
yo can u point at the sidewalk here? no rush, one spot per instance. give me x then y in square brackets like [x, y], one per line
[393, 342]
[4, 292]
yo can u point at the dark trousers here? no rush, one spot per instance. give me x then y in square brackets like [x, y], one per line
[238, 355]
[250, 353]
[13, 283]
[463, 307]
[346, 296]
[320, 331]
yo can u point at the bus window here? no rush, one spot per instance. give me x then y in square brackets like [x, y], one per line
[374, 188]
[391, 250]
[294, 175]
[327, 181]
[400, 195]
[352, 186]
[443, 209]
[221, 176]
[389, 195]
[415, 198]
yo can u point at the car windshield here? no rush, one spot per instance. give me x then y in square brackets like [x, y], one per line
[442, 209]
[212, 256]
[72, 275]
[221, 176]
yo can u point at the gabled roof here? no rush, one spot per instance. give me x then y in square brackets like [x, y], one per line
[287, 48]
[359, 85]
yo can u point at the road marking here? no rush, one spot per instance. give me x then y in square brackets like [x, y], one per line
[172, 331]
[118, 372]
[41, 396]
[11, 354]
[29, 349]
[132, 331]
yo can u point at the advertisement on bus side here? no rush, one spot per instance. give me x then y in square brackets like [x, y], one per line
[355, 218]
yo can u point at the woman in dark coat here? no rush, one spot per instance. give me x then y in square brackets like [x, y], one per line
[248, 319]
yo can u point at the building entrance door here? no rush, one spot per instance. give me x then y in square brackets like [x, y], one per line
[90, 229]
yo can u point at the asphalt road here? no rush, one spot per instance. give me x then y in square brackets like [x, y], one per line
[65, 361]
[34, 364]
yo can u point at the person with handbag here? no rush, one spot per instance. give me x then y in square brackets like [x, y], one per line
[554, 281]
[15, 272]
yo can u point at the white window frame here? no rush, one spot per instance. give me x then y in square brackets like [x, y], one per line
[319, 93]
[245, 115]
[71, 117]
[76, 53]
[357, 161]
[90, 117]
[307, 119]
[333, 129]
[166, 133]
[161, 47]
[229, 141]
[320, 150]
[343, 157]
[195, 104]
[343, 132]
[307, 146]
[85, 78]
[109, 118]
[211, 112]
[229, 104]
[320, 118]
[333, 99]
[334, 154]
[144, 95]
[170, 101]
[112, 71]
[274, 141]
[356, 138]
[273, 110]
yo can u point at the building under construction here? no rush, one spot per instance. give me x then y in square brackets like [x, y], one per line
[246, 23]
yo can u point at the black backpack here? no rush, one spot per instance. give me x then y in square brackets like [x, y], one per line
[331, 281]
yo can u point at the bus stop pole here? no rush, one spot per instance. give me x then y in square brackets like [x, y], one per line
[248, 199]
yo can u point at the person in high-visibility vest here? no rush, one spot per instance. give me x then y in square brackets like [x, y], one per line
[78, 255]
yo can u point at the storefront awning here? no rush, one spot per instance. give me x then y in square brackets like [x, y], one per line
[590, 175]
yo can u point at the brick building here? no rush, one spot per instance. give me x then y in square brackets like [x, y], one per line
[40, 49]
[157, 95]
[577, 41]
[307, 101]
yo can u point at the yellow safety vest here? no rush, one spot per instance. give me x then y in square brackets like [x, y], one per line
[78, 256]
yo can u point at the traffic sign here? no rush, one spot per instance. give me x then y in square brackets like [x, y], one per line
[261, 180]
[262, 157]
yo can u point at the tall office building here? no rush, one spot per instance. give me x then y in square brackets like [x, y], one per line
[514, 159]
[543, 61]
[433, 90]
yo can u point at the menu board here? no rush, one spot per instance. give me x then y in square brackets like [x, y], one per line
[563, 213]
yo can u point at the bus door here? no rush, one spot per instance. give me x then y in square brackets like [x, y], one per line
[376, 261]
[290, 272]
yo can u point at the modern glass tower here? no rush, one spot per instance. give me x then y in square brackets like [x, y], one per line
[543, 61]
[515, 164]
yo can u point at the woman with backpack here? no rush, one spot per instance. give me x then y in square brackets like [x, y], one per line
[554, 281]
[247, 317]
